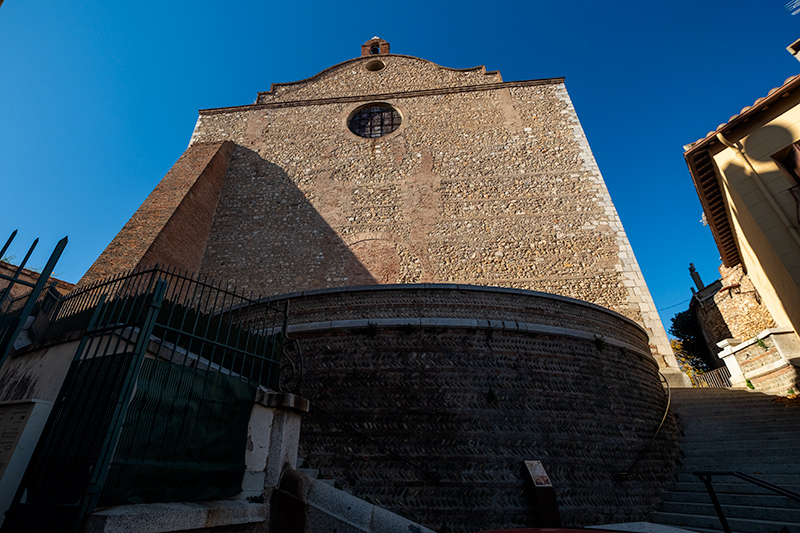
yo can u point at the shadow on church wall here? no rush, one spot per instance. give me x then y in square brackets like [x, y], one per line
[267, 237]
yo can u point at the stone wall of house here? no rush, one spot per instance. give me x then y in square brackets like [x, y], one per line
[764, 363]
[463, 384]
[484, 183]
[736, 310]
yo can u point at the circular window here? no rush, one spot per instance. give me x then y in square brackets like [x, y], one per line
[375, 64]
[374, 120]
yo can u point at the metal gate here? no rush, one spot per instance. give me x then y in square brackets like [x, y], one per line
[156, 403]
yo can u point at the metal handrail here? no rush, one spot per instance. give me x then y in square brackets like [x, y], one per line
[623, 475]
[705, 477]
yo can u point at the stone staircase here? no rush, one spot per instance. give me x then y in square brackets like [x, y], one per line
[306, 502]
[734, 430]
[314, 473]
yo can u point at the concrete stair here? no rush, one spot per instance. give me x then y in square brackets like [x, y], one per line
[314, 473]
[734, 430]
[305, 503]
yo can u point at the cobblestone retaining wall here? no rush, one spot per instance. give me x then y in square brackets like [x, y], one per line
[484, 183]
[765, 362]
[467, 383]
[736, 310]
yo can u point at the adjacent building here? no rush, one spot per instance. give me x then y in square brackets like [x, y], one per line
[747, 175]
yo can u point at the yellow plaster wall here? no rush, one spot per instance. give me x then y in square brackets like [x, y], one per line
[769, 252]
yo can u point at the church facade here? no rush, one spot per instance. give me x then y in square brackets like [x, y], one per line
[390, 169]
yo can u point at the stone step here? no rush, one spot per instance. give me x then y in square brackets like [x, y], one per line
[777, 476]
[743, 454]
[788, 439]
[773, 443]
[706, 530]
[736, 410]
[695, 522]
[710, 395]
[723, 398]
[312, 473]
[750, 411]
[731, 460]
[747, 428]
[767, 472]
[719, 395]
[694, 446]
[736, 414]
[755, 500]
[709, 405]
[714, 390]
[724, 487]
[732, 413]
[750, 512]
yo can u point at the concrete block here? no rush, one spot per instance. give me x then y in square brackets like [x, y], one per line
[320, 521]
[258, 434]
[164, 517]
[336, 503]
[384, 521]
[253, 481]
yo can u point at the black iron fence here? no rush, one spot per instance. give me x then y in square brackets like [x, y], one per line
[15, 310]
[163, 382]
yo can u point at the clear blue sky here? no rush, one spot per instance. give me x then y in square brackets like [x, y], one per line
[98, 99]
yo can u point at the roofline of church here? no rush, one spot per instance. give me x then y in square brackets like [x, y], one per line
[371, 57]
[385, 96]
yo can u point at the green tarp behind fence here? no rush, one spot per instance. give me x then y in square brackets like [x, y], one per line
[184, 437]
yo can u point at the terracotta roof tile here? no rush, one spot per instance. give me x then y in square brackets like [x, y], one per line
[746, 109]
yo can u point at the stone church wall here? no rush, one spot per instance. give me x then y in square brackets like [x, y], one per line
[484, 183]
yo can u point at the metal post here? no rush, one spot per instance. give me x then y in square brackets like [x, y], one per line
[706, 479]
[32, 298]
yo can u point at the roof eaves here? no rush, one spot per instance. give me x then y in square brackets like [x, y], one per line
[747, 112]
[704, 174]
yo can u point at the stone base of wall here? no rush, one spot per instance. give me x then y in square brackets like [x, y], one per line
[769, 361]
[428, 400]
[731, 308]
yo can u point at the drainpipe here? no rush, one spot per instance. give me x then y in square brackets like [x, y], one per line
[763, 188]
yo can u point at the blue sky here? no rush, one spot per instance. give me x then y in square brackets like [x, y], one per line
[98, 99]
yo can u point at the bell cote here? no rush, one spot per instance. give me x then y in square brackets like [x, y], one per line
[375, 46]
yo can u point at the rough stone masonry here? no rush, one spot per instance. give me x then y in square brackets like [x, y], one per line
[484, 182]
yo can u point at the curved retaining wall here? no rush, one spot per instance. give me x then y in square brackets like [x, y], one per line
[417, 382]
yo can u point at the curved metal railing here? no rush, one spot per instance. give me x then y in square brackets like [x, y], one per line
[624, 474]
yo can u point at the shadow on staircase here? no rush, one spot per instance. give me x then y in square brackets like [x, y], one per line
[734, 430]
